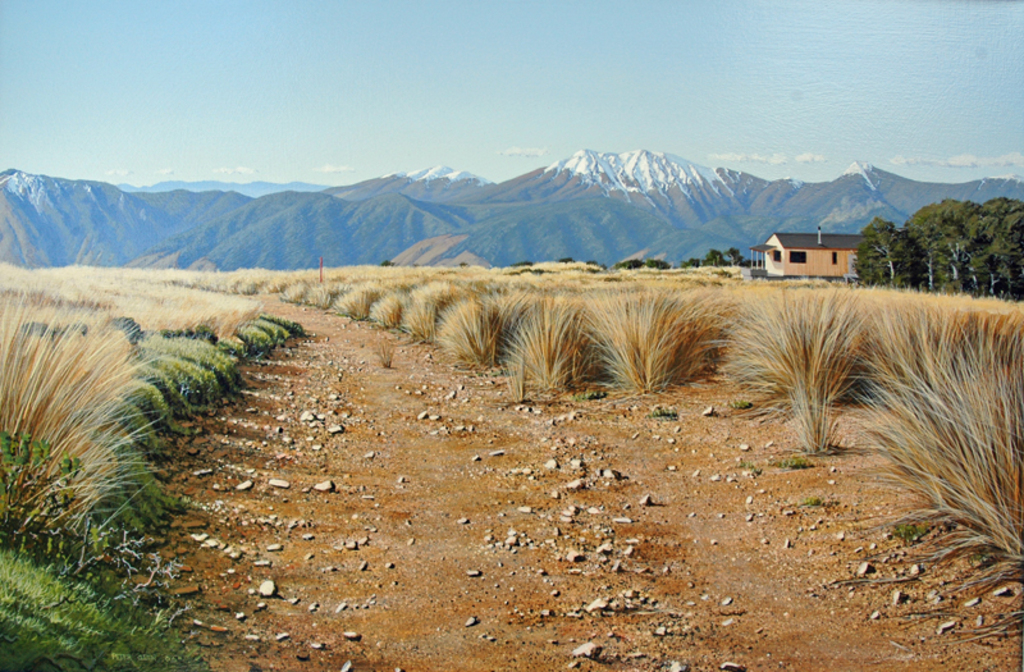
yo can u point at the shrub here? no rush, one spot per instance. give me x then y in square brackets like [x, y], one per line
[812, 501]
[800, 354]
[629, 264]
[740, 405]
[261, 335]
[947, 400]
[590, 395]
[294, 329]
[358, 303]
[649, 340]
[662, 413]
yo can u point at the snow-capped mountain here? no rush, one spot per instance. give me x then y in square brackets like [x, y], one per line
[639, 172]
[865, 170]
[439, 184]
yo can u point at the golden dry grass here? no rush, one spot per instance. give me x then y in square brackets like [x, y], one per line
[798, 352]
[649, 340]
[68, 389]
[551, 344]
[947, 410]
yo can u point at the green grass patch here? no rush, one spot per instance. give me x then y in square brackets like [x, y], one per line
[740, 405]
[812, 501]
[51, 622]
[910, 533]
[590, 395]
[293, 328]
[794, 462]
[664, 414]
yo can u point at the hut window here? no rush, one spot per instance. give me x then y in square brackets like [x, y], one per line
[835, 258]
[777, 256]
[797, 257]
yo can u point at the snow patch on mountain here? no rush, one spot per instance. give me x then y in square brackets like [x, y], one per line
[1011, 177]
[30, 187]
[865, 170]
[640, 171]
[441, 172]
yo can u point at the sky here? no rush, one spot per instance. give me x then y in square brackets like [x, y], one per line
[339, 92]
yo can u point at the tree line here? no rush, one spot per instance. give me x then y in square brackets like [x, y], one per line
[952, 246]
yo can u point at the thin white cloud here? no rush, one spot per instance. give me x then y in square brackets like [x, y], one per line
[240, 170]
[165, 171]
[119, 172]
[808, 157]
[962, 161]
[732, 157]
[329, 168]
[524, 151]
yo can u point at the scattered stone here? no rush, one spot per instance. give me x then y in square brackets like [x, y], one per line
[278, 483]
[678, 667]
[524, 509]
[1005, 591]
[574, 485]
[335, 429]
[732, 667]
[351, 636]
[600, 604]
[281, 636]
[709, 412]
[473, 620]
[588, 650]
[945, 627]
[326, 486]
[726, 602]
[622, 520]
[973, 602]
[865, 568]
[574, 556]
[268, 588]
[473, 572]
[646, 500]
[274, 548]
[307, 416]
[897, 598]
[245, 485]
[551, 464]
[875, 615]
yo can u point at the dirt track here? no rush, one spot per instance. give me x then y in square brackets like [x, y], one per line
[466, 550]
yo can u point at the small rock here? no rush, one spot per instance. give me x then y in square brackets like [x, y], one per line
[875, 615]
[351, 636]
[732, 667]
[471, 621]
[274, 548]
[278, 483]
[945, 627]
[1003, 592]
[865, 568]
[588, 650]
[646, 500]
[326, 486]
[574, 485]
[473, 572]
[423, 416]
[599, 604]
[574, 556]
[551, 464]
[335, 429]
[897, 598]
[281, 636]
[973, 602]
[678, 667]
[245, 485]
[307, 416]
[268, 588]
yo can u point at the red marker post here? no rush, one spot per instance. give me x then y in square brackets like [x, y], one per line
[321, 270]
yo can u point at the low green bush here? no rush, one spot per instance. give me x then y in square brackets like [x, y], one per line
[662, 413]
[910, 533]
[590, 395]
[794, 462]
[294, 328]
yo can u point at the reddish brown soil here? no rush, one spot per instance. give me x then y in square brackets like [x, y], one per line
[700, 578]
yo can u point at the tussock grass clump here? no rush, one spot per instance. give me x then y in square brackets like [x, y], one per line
[358, 303]
[70, 391]
[388, 311]
[425, 305]
[385, 351]
[647, 341]
[800, 353]
[552, 344]
[947, 400]
[295, 293]
[471, 331]
[323, 295]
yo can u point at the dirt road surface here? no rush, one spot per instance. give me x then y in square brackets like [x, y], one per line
[414, 518]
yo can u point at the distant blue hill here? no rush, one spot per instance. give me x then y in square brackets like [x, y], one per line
[251, 189]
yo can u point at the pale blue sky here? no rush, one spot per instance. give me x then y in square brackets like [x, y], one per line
[338, 92]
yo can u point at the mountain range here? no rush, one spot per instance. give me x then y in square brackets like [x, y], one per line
[590, 206]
